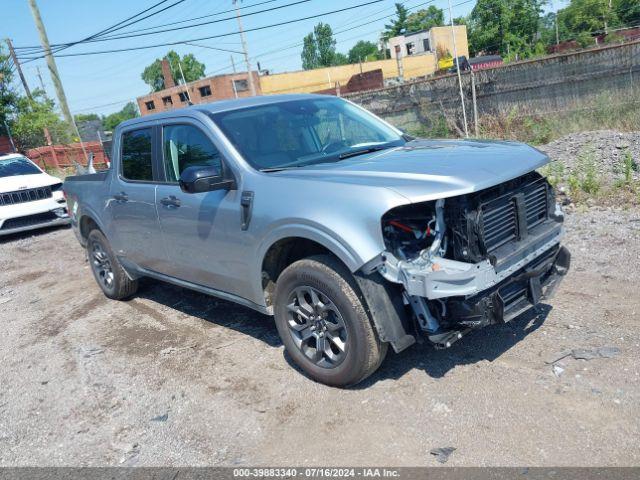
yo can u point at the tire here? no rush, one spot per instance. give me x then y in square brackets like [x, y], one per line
[323, 322]
[106, 268]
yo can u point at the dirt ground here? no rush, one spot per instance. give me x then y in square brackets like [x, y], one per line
[176, 378]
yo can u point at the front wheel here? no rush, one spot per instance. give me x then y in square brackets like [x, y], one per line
[323, 322]
[111, 277]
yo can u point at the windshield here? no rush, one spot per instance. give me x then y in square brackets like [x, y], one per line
[12, 167]
[304, 132]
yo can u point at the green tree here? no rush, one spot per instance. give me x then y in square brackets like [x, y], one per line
[586, 17]
[507, 27]
[547, 28]
[398, 25]
[326, 44]
[130, 110]
[30, 119]
[363, 51]
[340, 59]
[27, 118]
[8, 96]
[628, 12]
[191, 67]
[309, 52]
[319, 48]
[425, 19]
[585, 40]
[86, 117]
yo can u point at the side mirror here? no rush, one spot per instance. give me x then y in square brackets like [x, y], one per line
[204, 179]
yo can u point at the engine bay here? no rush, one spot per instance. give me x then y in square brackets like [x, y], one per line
[409, 229]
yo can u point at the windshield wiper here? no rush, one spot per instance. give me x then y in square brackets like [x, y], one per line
[278, 169]
[354, 153]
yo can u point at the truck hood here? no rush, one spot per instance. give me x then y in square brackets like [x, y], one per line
[423, 170]
[22, 182]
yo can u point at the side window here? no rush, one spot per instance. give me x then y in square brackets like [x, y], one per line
[136, 155]
[187, 146]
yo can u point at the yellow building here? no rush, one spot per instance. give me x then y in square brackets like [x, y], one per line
[305, 81]
[413, 55]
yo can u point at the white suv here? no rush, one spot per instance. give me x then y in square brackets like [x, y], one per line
[29, 197]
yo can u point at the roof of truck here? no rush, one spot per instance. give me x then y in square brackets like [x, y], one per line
[225, 105]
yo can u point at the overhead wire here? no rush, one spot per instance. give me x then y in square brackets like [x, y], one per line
[263, 27]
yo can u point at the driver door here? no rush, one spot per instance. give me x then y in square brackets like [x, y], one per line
[195, 226]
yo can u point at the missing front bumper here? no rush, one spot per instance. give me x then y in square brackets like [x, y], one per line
[535, 282]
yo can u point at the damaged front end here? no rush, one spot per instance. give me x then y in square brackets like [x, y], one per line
[479, 259]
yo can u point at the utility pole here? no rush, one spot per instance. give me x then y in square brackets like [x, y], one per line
[555, 18]
[455, 53]
[53, 70]
[16, 62]
[606, 26]
[475, 104]
[252, 87]
[233, 64]
[41, 82]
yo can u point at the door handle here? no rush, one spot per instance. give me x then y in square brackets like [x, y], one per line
[121, 197]
[170, 201]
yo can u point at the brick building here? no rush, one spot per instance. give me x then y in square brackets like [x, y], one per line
[205, 90]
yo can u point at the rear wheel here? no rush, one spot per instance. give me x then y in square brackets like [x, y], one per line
[107, 271]
[323, 322]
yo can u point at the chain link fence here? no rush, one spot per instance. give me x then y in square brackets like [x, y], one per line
[600, 84]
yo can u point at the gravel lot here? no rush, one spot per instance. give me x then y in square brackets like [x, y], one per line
[606, 148]
[176, 378]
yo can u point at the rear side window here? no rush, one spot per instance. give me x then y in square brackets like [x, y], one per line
[136, 155]
[187, 146]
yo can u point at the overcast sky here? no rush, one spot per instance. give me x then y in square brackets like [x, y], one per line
[104, 83]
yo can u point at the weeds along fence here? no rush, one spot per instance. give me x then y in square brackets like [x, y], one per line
[600, 79]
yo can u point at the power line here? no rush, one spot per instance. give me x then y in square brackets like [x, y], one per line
[196, 18]
[111, 29]
[104, 105]
[288, 22]
[214, 48]
[124, 35]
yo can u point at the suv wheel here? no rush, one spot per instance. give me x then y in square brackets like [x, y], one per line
[323, 323]
[107, 271]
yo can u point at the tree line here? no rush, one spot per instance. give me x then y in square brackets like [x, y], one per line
[514, 29]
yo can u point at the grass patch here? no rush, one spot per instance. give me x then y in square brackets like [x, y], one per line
[602, 112]
[555, 172]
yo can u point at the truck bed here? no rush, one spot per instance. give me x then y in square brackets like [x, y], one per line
[88, 177]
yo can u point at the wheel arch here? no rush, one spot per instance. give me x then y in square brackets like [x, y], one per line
[382, 300]
[88, 221]
[289, 244]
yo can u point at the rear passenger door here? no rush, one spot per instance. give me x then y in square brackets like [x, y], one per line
[198, 228]
[135, 228]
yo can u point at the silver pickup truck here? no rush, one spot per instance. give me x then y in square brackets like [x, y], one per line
[308, 208]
